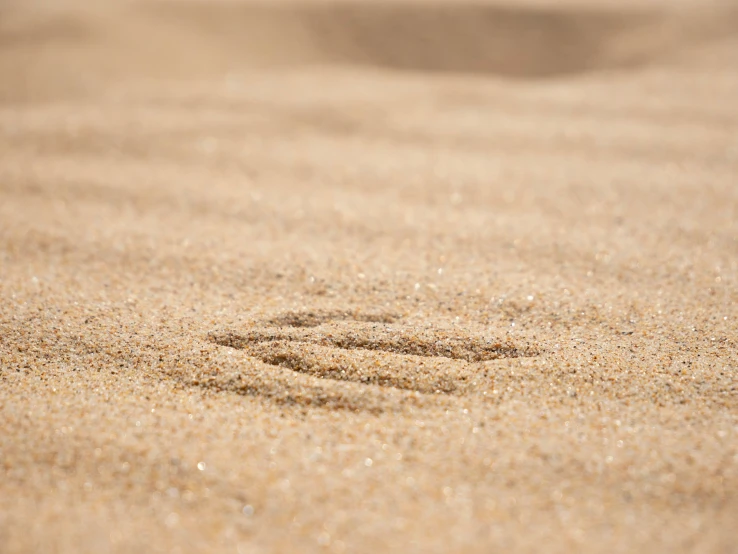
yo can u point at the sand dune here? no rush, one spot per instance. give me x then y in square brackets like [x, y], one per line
[76, 45]
[357, 276]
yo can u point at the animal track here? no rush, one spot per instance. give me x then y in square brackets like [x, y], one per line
[371, 349]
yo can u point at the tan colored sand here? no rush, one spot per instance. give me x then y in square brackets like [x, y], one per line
[361, 277]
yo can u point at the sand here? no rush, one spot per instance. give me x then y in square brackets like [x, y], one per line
[368, 276]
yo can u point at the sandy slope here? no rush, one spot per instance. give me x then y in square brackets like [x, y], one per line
[362, 276]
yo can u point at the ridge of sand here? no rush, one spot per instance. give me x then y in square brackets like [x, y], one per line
[60, 46]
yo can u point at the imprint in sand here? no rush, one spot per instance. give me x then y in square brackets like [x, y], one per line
[373, 350]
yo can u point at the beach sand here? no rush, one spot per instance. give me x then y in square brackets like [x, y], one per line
[368, 276]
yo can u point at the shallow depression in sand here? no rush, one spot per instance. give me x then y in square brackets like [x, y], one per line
[372, 349]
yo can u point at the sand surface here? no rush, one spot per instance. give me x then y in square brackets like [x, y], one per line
[368, 276]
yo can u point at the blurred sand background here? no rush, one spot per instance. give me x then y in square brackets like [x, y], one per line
[413, 275]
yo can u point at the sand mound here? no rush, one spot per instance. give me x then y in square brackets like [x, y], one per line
[64, 45]
[462, 37]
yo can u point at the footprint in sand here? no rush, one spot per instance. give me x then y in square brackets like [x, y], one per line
[372, 349]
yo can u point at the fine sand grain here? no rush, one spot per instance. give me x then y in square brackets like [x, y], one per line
[357, 276]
